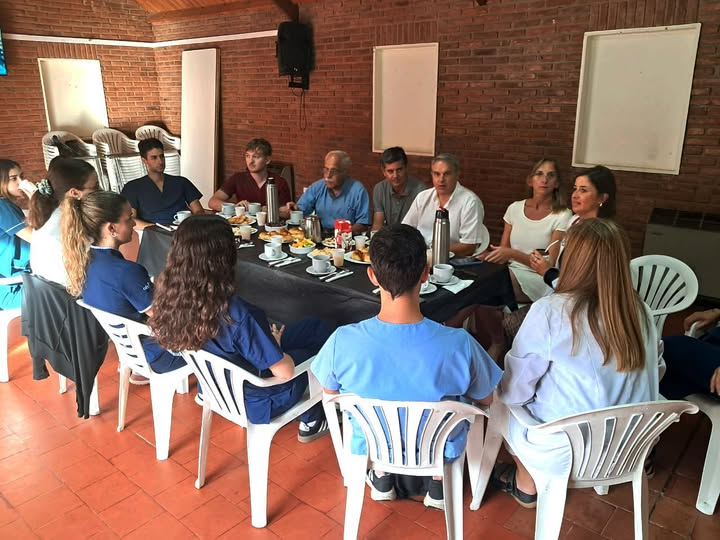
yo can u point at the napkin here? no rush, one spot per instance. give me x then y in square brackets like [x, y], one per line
[459, 286]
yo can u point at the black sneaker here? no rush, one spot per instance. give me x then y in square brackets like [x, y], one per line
[313, 430]
[381, 488]
[434, 498]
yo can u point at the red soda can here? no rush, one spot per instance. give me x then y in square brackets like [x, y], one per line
[343, 234]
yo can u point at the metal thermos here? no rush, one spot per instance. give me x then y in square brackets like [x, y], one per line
[441, 237]
[312, 229]
[273, 203]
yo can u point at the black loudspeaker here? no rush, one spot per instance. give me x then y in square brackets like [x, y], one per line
[294, 49]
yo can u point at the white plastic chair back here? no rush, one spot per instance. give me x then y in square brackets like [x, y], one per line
[120, 156]
[6, 317]
[50, 152]
[665, 284]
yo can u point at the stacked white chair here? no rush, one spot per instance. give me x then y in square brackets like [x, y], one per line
[6, 317]
[413, 446]
[120, 156]
[50, 151]
[222, 389]
[125, 334]
[608, 447]
[171, 143]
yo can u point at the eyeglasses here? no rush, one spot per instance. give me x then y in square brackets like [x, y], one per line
[550, 175]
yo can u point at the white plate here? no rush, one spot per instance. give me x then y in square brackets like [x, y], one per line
[348, 258]
[250, 221]
[301, 251]
[293, 223]
[236, 230]
[453, 281]
[265, 258]
[429, 290]
[312, 272]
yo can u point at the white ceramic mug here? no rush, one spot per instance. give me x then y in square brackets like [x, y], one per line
[443, 272]
[277, 239]
[321, 263]
[254, 207]
[228, 209]
[272, 250]
[239, 210]
[261, 218]
[360, 241]
[182, 215]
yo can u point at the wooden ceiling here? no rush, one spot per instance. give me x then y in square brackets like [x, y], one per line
[171, 9]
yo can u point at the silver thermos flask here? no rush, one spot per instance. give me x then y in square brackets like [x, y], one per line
[273, 204]
[441, 237]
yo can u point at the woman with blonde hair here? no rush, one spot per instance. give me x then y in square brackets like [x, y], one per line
[15, 235]
[590, 345]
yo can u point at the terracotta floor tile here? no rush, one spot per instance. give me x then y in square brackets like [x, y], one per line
[161, 475]
[373, 513]
[246, 531]
[218, 462]
[621, 526]
[214, 518]
[291, 472]
[327, 461]
[131, 513]
[233, 441]
[48, 507]
[306, 451]
[400, 528]
[17, 466]
[496, 506]
[162, 526]
[323, 492]
[706, 527]
[64, 456]
[11, 445]
[17, 530]
[587, 511]
[294, 524]
[40, 442]
[234, 484]
[7, 513]
[683, 489]
[183, 498]
[108, 491]
[28, 487]
[521, 522]
[180, 433]
[671, 514]
[105, 534]
[336, 533]
[135, 460]
[16, 405]
[89, 470]
[576, 532]
[4, 431]
[622, 496]
[411, 509]
[279, 503]
[107, 441]
[79, 523]
[32, 424]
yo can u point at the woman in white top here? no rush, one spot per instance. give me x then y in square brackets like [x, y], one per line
[66, 177]
[590, 345]
[532, 224]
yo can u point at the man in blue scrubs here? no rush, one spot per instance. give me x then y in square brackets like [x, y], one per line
[157, 197]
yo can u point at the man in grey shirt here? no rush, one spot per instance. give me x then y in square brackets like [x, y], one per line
[393, 196]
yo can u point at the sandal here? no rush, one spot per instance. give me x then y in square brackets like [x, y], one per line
[509, 486]
[499, 471]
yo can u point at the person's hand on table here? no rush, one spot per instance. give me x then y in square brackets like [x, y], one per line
[715, 382]
[538, 263]
[277, 332]
[291, 206]
[704, 319]
[498, 254]
[246, 204]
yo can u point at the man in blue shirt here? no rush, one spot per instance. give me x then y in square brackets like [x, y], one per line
[157, 197]
[401, 356]
[336, 195]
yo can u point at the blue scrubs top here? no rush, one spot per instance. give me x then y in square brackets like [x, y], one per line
[157, 206]
[14, 251]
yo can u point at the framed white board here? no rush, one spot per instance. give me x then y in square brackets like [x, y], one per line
[405, 97]
[199, 119]
[634, 96]
[74, 95]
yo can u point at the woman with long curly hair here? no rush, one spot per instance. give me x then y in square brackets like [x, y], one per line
[15, 235]
[93, 228]
[197, 307]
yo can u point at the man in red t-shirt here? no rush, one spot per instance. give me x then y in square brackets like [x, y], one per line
[249, 186]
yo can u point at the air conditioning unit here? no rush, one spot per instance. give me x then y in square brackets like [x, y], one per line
[692, 237]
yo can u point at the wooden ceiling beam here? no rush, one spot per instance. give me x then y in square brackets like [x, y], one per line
[197, 12]
[290, 8]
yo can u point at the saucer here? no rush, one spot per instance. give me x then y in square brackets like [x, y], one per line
[176, 222]
[429, 290]
[293, 223]
[310, 270]
[265, 258]
[453, 281]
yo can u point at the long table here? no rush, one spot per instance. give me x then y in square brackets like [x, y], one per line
[289, 293]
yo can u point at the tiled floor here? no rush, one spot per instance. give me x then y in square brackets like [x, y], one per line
[64, 477]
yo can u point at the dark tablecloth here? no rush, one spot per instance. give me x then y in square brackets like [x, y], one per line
[289, 294]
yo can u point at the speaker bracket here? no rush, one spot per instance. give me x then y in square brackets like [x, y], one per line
[299, 81]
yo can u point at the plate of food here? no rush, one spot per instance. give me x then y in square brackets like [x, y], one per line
[286, 236]
[241, 220]
[320, 251]
[236, 231]
[302, 246]
[359, 256]
[330, 242]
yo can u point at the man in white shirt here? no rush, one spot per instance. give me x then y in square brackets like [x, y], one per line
[465, 209]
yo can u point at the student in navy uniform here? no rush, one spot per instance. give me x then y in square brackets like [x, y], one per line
[15, 234]
[98, 271]
[157, 197]
[197, 307]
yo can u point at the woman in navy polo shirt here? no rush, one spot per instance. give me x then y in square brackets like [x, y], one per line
[15, 235]
[93, 228]
[197, 307]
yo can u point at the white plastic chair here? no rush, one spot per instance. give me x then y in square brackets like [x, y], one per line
[50, 152]
[665, 284]
[413, 447]
[171, 144]
[710, 482]
[227, 399]
[6, 317]
[125, 334]
[608, 447]
[120, 156]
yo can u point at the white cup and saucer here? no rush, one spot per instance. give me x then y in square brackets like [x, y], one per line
[443, 275]
[272, 252]
[181, 216]
[427, 288]
[296, 218]
[254, 208]
[320, 265]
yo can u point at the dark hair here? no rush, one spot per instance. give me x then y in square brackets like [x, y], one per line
[398, 256]
[193, 291]
[260, 144]
[5, 166]
[604, 181]
[63, 175]
[393, 155]
[81, 225]
[146, 145]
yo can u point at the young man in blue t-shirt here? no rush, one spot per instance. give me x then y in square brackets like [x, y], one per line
[399, 355]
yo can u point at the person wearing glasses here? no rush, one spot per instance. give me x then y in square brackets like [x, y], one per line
[336, 196]
[533, 224]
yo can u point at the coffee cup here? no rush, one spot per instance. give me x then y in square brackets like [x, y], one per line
[321, 263]
[273, 250]
[254, 207]
[239, 210]
[276, 239]
[442, 273]
[182, 215]
[245, 232]
[261, 218]
[296, 216]
[228, 209]
[360, 241]
[338, 255]
[425, 287]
